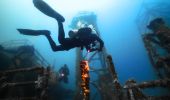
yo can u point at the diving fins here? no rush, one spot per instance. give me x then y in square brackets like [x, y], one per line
[47, 10]
[33, 32]
[59, 17]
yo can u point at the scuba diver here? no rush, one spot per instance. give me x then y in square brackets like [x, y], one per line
[63, 73]
[79, 40]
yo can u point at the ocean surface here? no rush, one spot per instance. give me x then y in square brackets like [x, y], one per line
[117, 23]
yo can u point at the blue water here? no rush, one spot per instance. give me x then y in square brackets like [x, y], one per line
[116, 22]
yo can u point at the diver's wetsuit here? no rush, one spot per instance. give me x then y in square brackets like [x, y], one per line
[66, 43]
